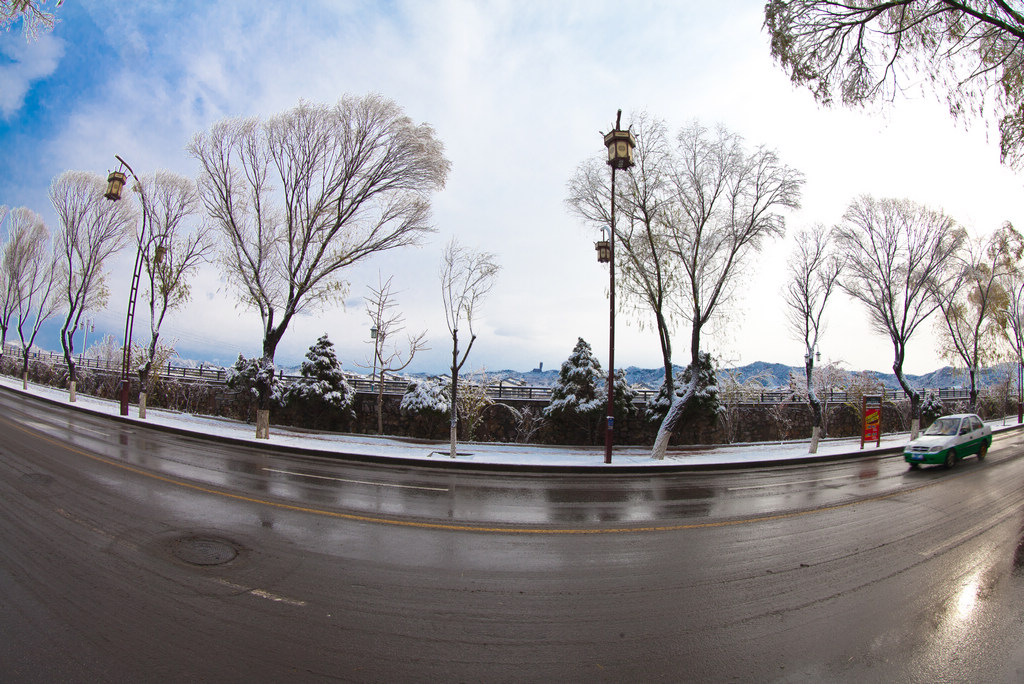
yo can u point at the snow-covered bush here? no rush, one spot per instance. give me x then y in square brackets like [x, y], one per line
[931, 409]
[321, 397]
[431, 398]
[576, 402]
[246, 374]
[703, 406]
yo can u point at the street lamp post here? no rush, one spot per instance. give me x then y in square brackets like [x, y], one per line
[620, 146]
[115, 183]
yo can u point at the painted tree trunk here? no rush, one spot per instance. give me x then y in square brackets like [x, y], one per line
[71, 392]
[142, 404]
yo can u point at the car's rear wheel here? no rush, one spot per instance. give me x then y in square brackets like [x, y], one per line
[915, 466]
[983, 451]
[950, 459]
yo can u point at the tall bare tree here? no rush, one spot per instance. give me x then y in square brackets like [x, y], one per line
[813, 275]
[1014, 332]
[466, 278]
[723, 204]
[976, 307]
[307, 193]
[643, 259]
[181, 246]
[91, 230]
[897, 254]
[389, 357]
[971, 52]
[8, 302]
[30, 263]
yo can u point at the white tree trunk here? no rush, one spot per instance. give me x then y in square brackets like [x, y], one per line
[142, 404]
[262, 424]
[915, 426]
[671, 418]
[815, 436]
[72, 397]
[24, 380]
[454, 437]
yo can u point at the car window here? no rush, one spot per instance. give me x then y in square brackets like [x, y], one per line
[943, 426]
[965, 426]
[975, 423]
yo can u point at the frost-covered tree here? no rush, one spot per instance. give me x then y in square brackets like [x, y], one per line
[33, 275]
[897, 254]
[34, 19]
[724, 203]
[976, 306]
[389, 356]
[971, 52]
[814, 270]
[428, 402]
[466, 278]
[576, 402]
[181, 246]
[304, 195]
[91, 230]
[321, 393]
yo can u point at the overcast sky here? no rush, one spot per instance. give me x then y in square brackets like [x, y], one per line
[519, 93]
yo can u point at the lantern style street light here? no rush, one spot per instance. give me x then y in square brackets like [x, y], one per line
[620, 146]
[115, 183]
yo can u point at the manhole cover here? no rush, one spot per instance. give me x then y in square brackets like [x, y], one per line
[203, 551]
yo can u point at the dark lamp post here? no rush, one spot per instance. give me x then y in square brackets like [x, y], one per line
[115, 183]
[620, 146]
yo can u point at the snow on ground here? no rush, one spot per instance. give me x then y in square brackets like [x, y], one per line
[481, 452]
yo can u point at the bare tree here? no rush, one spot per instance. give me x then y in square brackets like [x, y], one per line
[897, 254]
[181, 246]
[813, 274]
[311, 191]
[8, 300]
[723, 203]
[466, 277]
[387, 323]
[642, 256]
[91, 231]
[1014, 331]
[976, 306]
[860, 51]
[34, 19]
[31, 265]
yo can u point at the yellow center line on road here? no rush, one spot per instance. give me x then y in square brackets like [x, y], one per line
[510, 529]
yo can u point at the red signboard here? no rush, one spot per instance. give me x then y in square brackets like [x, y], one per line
[871, 407]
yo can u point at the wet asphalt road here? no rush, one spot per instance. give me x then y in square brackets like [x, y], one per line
[129, 554]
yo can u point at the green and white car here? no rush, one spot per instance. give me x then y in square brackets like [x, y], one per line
[949, 439]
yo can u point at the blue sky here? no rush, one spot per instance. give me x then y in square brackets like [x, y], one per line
[519, 93]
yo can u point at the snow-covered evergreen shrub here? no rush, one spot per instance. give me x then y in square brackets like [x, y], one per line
[703, 406]
[931, 409]
[431, 398]
[321, 394]
[576, 402]
[244, 377]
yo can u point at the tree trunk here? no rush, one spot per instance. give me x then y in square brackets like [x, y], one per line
[675, 412]
[815, 404]
[915, 397]
[815, 436]
[142, 403]
[262, 423]
[71, 392]
[454, 431]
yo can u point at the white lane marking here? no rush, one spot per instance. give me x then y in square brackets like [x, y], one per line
[365, 482]
[261, 593]
[796, 482]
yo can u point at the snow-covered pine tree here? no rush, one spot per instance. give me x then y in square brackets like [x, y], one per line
[321, 393]
[576, 403]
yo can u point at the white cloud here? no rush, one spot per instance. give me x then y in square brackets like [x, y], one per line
[24, 64]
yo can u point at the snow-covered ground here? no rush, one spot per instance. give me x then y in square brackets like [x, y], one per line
[479, 452]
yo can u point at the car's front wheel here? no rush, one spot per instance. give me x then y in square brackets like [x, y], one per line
[950, 459]
[983, 451]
